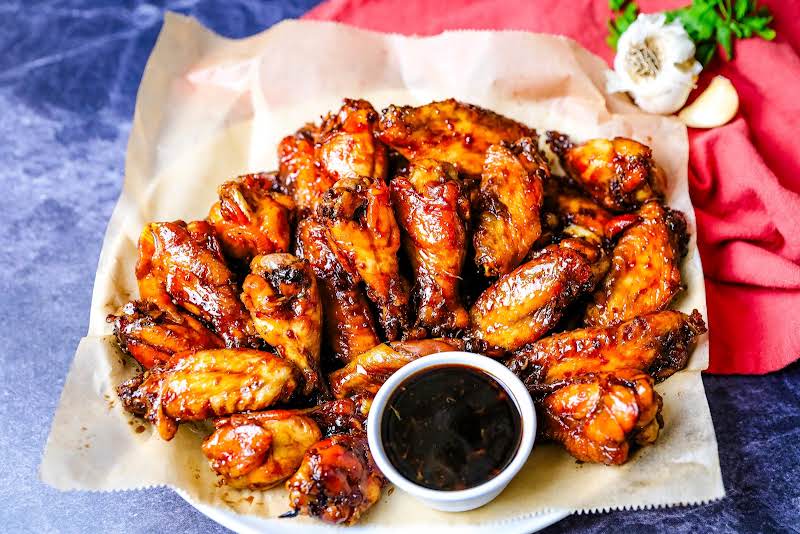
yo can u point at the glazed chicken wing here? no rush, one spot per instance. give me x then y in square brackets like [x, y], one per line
[658, 344]
[348, 318]
[338, 480]
[257, 450]
[299, 172]
[525, 304]
[366, 373]
[433, 211]
[360, 220]
[183, 262]
[281, 294]
[197, 385]
[580, 215]
[347, 143]
[448, 131]
[260, 449]
[645, 268]
[152, 336]
[599, 417]
[252, 217]
[618, 173]
[509, 206]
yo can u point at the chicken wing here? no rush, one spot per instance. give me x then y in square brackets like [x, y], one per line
[658, 344]
[281, 294]
[338, 480]
[197, 385]
[598, 417]
[525, 304]
[183, 262]
[645, 268]
[252, 217]
[260, 449]
[152, 336]
[448, 131]
[299, 172]
[367, 372]
[348, 318]
[619, 174]
[347, 144]
[509, 206]
[580, 215]
[360, 220]
[433, 211]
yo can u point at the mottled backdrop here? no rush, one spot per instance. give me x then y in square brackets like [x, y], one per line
[68, 78]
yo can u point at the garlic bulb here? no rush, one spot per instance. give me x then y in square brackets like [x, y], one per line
[655, 64]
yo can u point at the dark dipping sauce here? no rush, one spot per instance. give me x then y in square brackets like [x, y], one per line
[451, 427]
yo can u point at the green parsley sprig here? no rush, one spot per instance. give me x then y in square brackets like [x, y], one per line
[709, 23]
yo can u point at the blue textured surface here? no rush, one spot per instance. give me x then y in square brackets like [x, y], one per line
[68, 78]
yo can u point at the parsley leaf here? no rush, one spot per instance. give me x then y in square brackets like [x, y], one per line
[709, 23]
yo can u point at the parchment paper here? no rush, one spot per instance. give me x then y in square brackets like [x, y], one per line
[210, 108]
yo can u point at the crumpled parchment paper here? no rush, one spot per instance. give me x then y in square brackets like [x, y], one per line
[210, 108]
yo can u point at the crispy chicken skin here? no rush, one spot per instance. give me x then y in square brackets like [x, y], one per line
[281, 294]
[448, 131]
[338, 480]
[433, 211]
[366, 373]
[580, 214]
[360, 220]
[598, 417]
[197, 385]
[251, 217]
[183, 262]
[509, 206]
[618, 173]
[658, 344]
[258, 450]
[299, 171]
[348, 319]
[347, 144]
[525, 304]
[645, 268]
[152, 336]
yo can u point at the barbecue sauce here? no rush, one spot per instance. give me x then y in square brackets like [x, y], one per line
[451, 427]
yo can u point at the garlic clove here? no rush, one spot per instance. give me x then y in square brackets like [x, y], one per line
[714, 107]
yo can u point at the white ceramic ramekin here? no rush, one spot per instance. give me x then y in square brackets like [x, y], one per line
[460, 500]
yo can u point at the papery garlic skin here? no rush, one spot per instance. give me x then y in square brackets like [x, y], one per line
[655, 64]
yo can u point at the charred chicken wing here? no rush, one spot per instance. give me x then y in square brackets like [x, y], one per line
[366, 373]
[260, 449]
[252, 217]
[347, 143]
[598, 417]
[299, 172]
[348, 318]
[433, 211]
[448, 131]
[360, 220]
[645, 268]
[619, 174]
[197, 385]
[525, 304]
[183, 262]
[509, 206]
[152, 335]
[281, 294]
[338, 480]
[658, 344]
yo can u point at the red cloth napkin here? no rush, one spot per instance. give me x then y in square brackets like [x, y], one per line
[744, 177]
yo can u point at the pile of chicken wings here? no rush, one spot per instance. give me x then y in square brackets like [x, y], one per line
[385, 237]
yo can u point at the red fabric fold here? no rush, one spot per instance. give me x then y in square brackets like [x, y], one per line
[744, 177]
